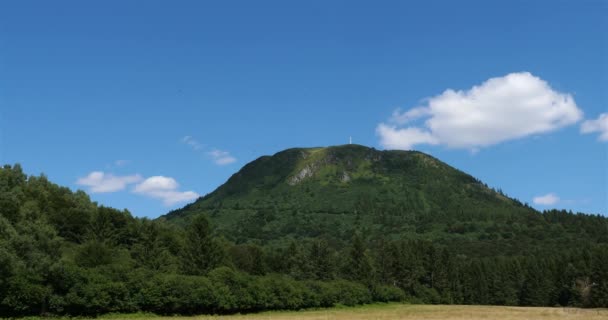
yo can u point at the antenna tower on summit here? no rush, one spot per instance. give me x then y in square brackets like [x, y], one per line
[350, 140]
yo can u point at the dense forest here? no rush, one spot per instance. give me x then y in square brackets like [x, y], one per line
[335, 192]
[61, 253]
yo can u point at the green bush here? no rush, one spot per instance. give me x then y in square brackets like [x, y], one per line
[282, 292]
[384, 293]
[351, 293]
[322, 294]
[94, 293]
[427, 295]
[25, 294]
[177, 294]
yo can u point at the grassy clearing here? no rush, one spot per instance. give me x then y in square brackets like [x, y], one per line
[401, 311]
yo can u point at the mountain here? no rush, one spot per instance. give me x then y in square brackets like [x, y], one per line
[335, 192]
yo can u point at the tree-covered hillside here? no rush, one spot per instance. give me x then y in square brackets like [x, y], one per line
[61, 253]
[336, 191]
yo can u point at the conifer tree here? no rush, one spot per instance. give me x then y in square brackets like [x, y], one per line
[201, 252]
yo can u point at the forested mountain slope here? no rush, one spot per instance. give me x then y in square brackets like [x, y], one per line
[336, 191]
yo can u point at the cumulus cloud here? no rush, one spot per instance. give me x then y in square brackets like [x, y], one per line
[159, 187]
[193, 143]
[156, 183]
[221, 157]
[100, 182]
[393, 138]
[599, 125]
[165, 189]
[546, 200]
[401, 117]
[500, 109]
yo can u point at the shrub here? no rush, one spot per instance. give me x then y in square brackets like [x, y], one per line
[351, 293]
[384, 293]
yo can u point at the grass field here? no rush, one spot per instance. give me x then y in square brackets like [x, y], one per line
[404, 311]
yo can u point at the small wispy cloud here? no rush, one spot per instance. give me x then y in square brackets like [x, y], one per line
[165, 189]
[193, 143]
[548, 199]
[221, 157]
[121, 163]
[599, 125]
[101, 182]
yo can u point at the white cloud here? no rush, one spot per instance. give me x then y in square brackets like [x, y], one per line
[546, 200]
[100, 182]
[193, 143]
[500, 109]
[393, 138]
[159, 187]
[156, 183]
[221, 157]
[165, 189]
[598, 125]
[400, 117]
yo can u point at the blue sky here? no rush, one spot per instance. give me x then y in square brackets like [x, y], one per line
[146, 105]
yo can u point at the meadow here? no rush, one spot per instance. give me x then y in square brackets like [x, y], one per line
[399, 311]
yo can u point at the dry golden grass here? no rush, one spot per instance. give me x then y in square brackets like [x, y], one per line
[404, 311]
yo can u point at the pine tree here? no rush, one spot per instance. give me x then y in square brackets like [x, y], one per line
[321, 259]
[359, 264]
[201, 252]
[599, 277]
